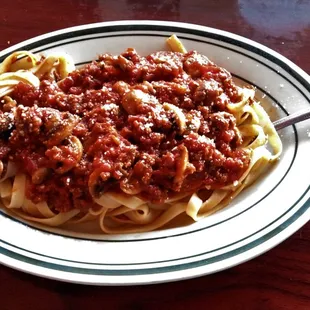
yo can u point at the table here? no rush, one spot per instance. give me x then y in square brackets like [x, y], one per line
[278, 279]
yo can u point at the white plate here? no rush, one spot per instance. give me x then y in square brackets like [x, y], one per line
[260, 218]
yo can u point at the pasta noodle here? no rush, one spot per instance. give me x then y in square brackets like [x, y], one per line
[86, 134]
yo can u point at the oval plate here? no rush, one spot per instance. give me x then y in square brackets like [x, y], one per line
[260, 218]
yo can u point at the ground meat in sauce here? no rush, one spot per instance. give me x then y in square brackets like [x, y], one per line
[115, 107]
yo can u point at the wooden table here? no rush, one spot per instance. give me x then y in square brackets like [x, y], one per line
[279, 279]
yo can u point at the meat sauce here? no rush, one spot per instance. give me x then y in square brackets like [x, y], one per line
[106, 127]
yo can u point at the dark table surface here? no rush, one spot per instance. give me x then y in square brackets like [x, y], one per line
[279, 279]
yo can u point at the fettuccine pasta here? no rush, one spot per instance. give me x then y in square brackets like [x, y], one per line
[129, 141]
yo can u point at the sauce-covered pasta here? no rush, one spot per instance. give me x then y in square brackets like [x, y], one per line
[130, 140]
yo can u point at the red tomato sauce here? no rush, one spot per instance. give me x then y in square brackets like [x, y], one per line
[115, 107]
